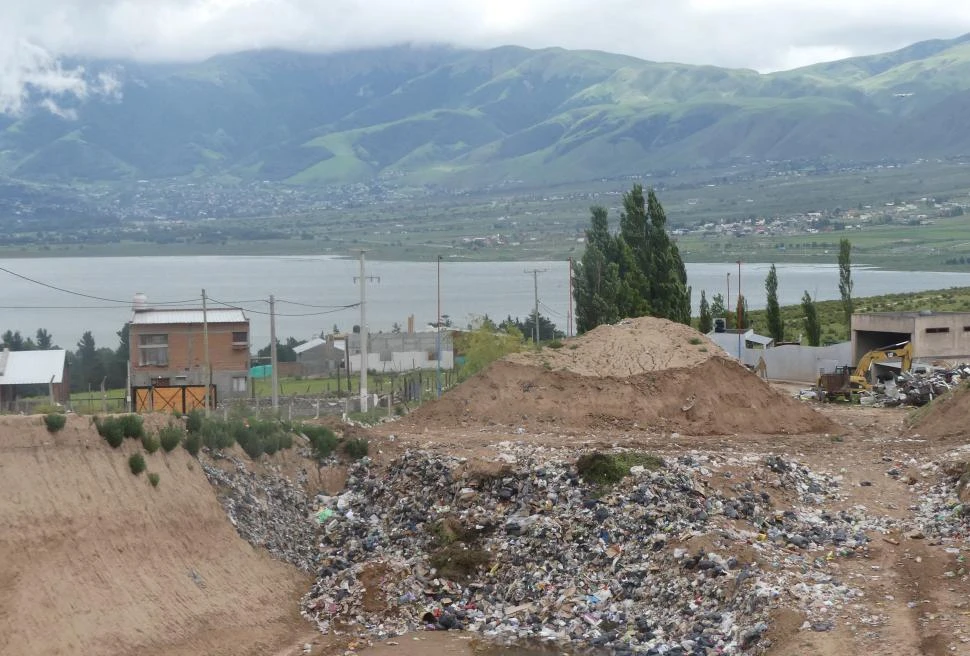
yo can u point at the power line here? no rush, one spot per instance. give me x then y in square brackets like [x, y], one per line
[304, 314]
[309, 305]
[83, 295]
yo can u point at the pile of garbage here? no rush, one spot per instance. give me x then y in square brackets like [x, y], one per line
[682, 557]
[267, 510]
[917, 387]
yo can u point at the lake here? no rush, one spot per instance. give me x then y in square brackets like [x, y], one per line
[468, 289]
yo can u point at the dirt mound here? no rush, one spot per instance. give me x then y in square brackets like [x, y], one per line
[627, 348]
[716, 397]
[945, 416]
[95, 561]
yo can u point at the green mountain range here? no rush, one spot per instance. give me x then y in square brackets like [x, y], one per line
[458, 117]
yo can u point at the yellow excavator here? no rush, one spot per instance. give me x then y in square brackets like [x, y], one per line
[845, 380]
[903, 351]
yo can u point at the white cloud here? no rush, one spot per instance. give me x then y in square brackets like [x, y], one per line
[760, 34]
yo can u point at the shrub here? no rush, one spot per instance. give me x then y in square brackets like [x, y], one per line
[194, 420]
[48, 409]
[149, 443]
[153, 479]
[321, 438]
[555, 344]
[192, 444]
[169, 437]
[54, 422]
[110, 430]
[132, 426]
[286, 440]
[136, 463]
[695, 340]
[609, 468]
[356, 448]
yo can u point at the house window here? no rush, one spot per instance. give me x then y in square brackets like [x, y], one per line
[153, 350]
[240, 339]
[239, 383]
[931, 331]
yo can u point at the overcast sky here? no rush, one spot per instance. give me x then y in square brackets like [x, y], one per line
[762, 34]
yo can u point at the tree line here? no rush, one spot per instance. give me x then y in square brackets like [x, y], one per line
[638, 271]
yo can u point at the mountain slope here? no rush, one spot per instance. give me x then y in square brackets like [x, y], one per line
[443, 115]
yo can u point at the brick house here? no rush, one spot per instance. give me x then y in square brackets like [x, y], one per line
[167, 357]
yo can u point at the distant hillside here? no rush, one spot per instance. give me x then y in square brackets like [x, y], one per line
[441, 115]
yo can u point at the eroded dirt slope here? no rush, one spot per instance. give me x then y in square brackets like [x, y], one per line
[95, 561]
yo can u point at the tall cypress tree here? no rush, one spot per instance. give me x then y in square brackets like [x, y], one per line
[813, 329]
[776, 325]
[845, 280]
[706, 322]
[596, 276]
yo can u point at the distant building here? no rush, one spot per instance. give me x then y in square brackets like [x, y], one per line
[322, 356]
[397, 352]
[934, 335]
[167, 357]
[34, 372]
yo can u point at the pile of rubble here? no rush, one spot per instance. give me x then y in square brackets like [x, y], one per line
[266, 510]
[916, 388]
[680, 559]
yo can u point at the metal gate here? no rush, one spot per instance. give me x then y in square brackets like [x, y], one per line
[172, 399]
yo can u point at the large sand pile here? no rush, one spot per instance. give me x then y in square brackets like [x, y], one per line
[646, 373]
[630, 347]
[945, 416]
[95, 561]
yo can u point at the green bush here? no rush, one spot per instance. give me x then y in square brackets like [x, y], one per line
[609, 468]
[153, 479]
[555, 344]
[150, 443]
[132, 426]
[48, 409]
[136, 463]
[322, 439]
[286, 440]
[110, 430]
[356, 448]
[192, 444]
[169, 437]
[54, 422]
[194, 420]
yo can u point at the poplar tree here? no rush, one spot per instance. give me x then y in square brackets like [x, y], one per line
[813, 329]
[705, 323]
[776, 325]
[845, 280]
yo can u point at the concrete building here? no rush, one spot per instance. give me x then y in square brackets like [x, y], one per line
[396, 352]
[35, 372]
[322, 356]
[934, 335]
[167, 357]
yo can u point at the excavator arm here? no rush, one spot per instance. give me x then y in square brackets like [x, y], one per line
[903, 351]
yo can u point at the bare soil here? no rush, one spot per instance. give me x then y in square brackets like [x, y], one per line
[946, 416]
[95, 561]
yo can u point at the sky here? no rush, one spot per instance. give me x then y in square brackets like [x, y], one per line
[766, 35]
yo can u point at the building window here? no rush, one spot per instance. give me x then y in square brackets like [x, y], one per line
[386, 356]
[240, 339]
[433, 355]
[931, 331]
[239, 383]
[966, 329]
[153, 350]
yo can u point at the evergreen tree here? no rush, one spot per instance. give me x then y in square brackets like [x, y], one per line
[596, 276]
[638, 273]
[717, 306]
[706, 322]
[88, 371]
[13, 340]
[813, 329]
[743, 321]
[845, 279]
[45, 341]
[776, 325]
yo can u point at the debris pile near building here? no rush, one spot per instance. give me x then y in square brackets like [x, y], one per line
[267, 510]
[684, 556]
[917, 389]
[640, 374]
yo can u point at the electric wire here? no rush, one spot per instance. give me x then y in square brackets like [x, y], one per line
[91, 296]
[278, 314]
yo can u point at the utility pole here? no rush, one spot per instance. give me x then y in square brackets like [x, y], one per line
[535, 317]
[274, 379]
[740, 312]
[205, 348]
[569, 313]
[363, 279]
[728, 302]
[437, 332]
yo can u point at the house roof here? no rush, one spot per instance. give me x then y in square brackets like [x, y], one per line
[154, 316]
[306, 346]
[32, 367]
[755, 338]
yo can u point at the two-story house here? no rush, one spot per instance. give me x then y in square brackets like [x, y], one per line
[167, 357]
